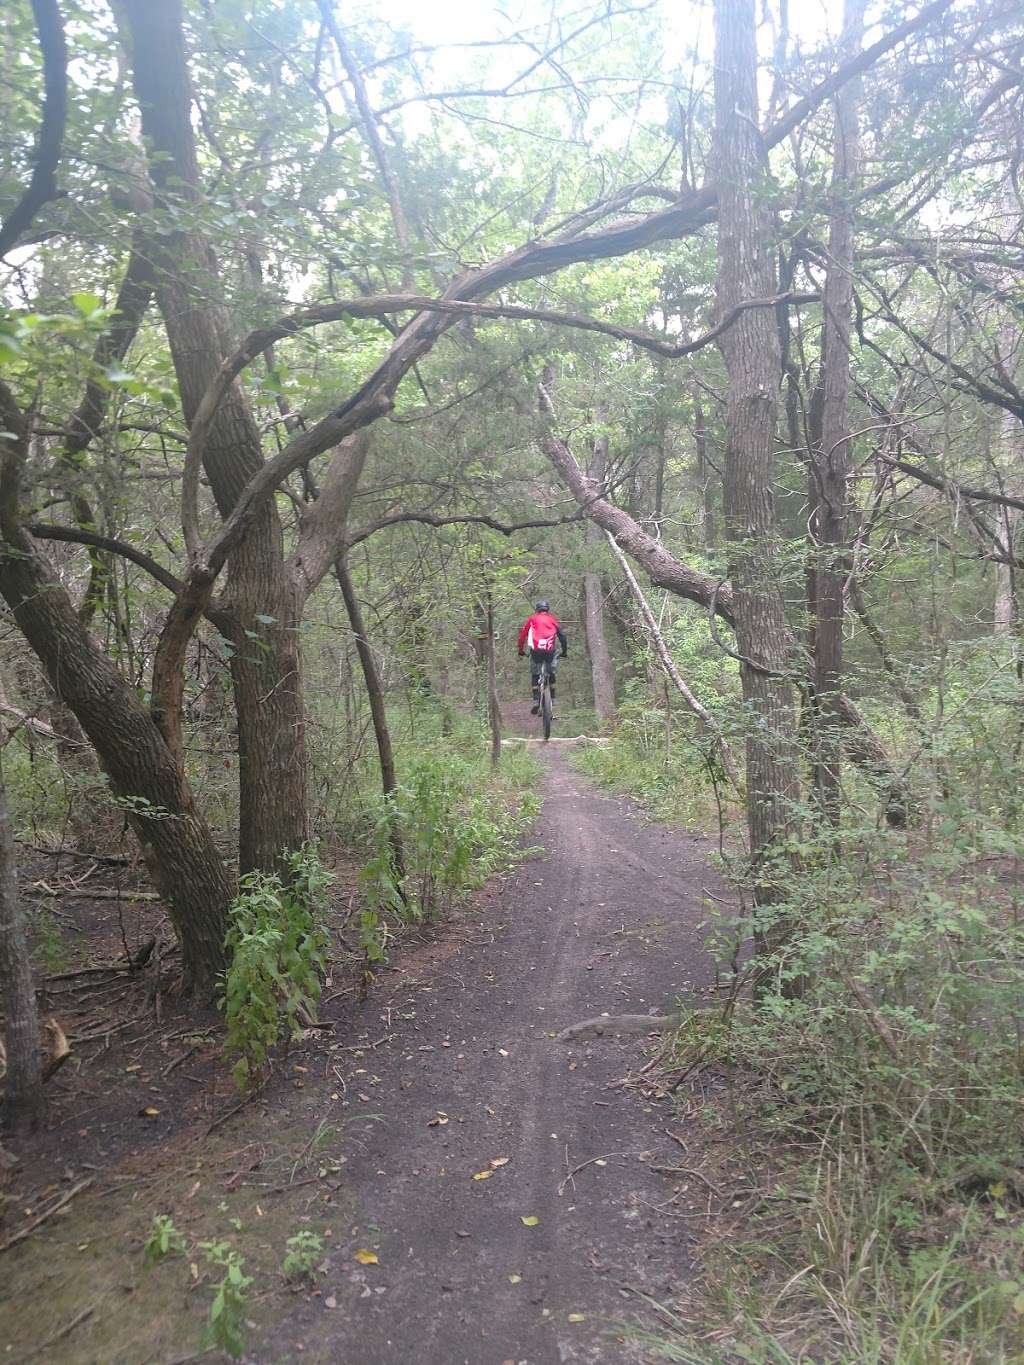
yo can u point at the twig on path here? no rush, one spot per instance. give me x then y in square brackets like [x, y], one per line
[290, 1185]
[61, 1203]
[107, 860]
[66, 1330]
[230, 1113]
[589, 1162]
[84, 893]
[365, 1047]
[178, 1061]
[689, 1170]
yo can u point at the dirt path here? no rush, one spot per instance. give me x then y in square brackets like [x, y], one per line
[608, 920]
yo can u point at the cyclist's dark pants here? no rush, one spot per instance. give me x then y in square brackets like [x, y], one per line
[537, 657]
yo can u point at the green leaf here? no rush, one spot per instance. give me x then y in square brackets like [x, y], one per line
[87, 304]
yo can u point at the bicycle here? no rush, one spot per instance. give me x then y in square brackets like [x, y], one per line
[546, 673]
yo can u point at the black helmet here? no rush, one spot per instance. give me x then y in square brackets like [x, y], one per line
[542, 605]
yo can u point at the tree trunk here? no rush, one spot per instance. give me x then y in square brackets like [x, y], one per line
[493, 706]
[602, 672]
[830, 460]
[707, 505]
[264, 606]
[746, 269]
[378, 708]
[144, 774]
[371, 677]
[23, 1089]
[177, 844]
[1006, 615]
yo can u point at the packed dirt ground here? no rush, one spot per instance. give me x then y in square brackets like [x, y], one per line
[478, 1189]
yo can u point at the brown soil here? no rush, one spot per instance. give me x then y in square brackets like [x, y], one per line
[372, 1136]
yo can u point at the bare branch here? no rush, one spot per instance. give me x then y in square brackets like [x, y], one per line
[374, 140]
[77, 535]
[428, 519]
[951, 488]
[863, 61]
[43, 185]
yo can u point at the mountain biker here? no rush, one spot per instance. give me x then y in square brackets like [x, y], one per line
[538, 635]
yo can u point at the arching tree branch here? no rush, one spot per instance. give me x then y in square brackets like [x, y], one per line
[77, 535]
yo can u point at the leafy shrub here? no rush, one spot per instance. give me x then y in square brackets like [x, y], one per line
[164, 1238]
[442, 833]
[230, 1295]
[276, 945]
[880, 1076]
[302, 1251]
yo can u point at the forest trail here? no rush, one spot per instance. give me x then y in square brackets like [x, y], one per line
[607, 920]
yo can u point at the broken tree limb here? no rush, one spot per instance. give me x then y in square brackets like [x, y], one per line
[61, 1203]
[863, 746]
[60, 1048]
[668, 664]
[619, 1023]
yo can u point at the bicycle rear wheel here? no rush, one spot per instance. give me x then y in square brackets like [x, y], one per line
[545, 709]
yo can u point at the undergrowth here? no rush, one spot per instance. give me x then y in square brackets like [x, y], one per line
[863, 1094]
[452, 823]
[276, 945]
[658, 758]
[873, 1097]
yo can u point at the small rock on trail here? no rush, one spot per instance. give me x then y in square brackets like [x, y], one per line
[505, 1189]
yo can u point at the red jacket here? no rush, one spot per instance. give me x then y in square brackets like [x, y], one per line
[540, 632]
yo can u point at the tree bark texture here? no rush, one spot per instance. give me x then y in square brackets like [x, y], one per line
[602, 672]
[746, 269]
[830, 459]
[23, 1082]
[144, 773]
[371, 677]
[263, 608]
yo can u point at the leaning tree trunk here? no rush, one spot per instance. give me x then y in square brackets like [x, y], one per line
[23, 1086]
[177, 844]
[260, 601]
[746, 269]
[671, 671]
[371, 677]
[601, 670]
[144, 773]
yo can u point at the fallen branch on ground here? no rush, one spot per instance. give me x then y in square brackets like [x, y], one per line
[619, 1023]
[48, 1214]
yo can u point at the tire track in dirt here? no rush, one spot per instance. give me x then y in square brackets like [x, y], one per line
[607, 920]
